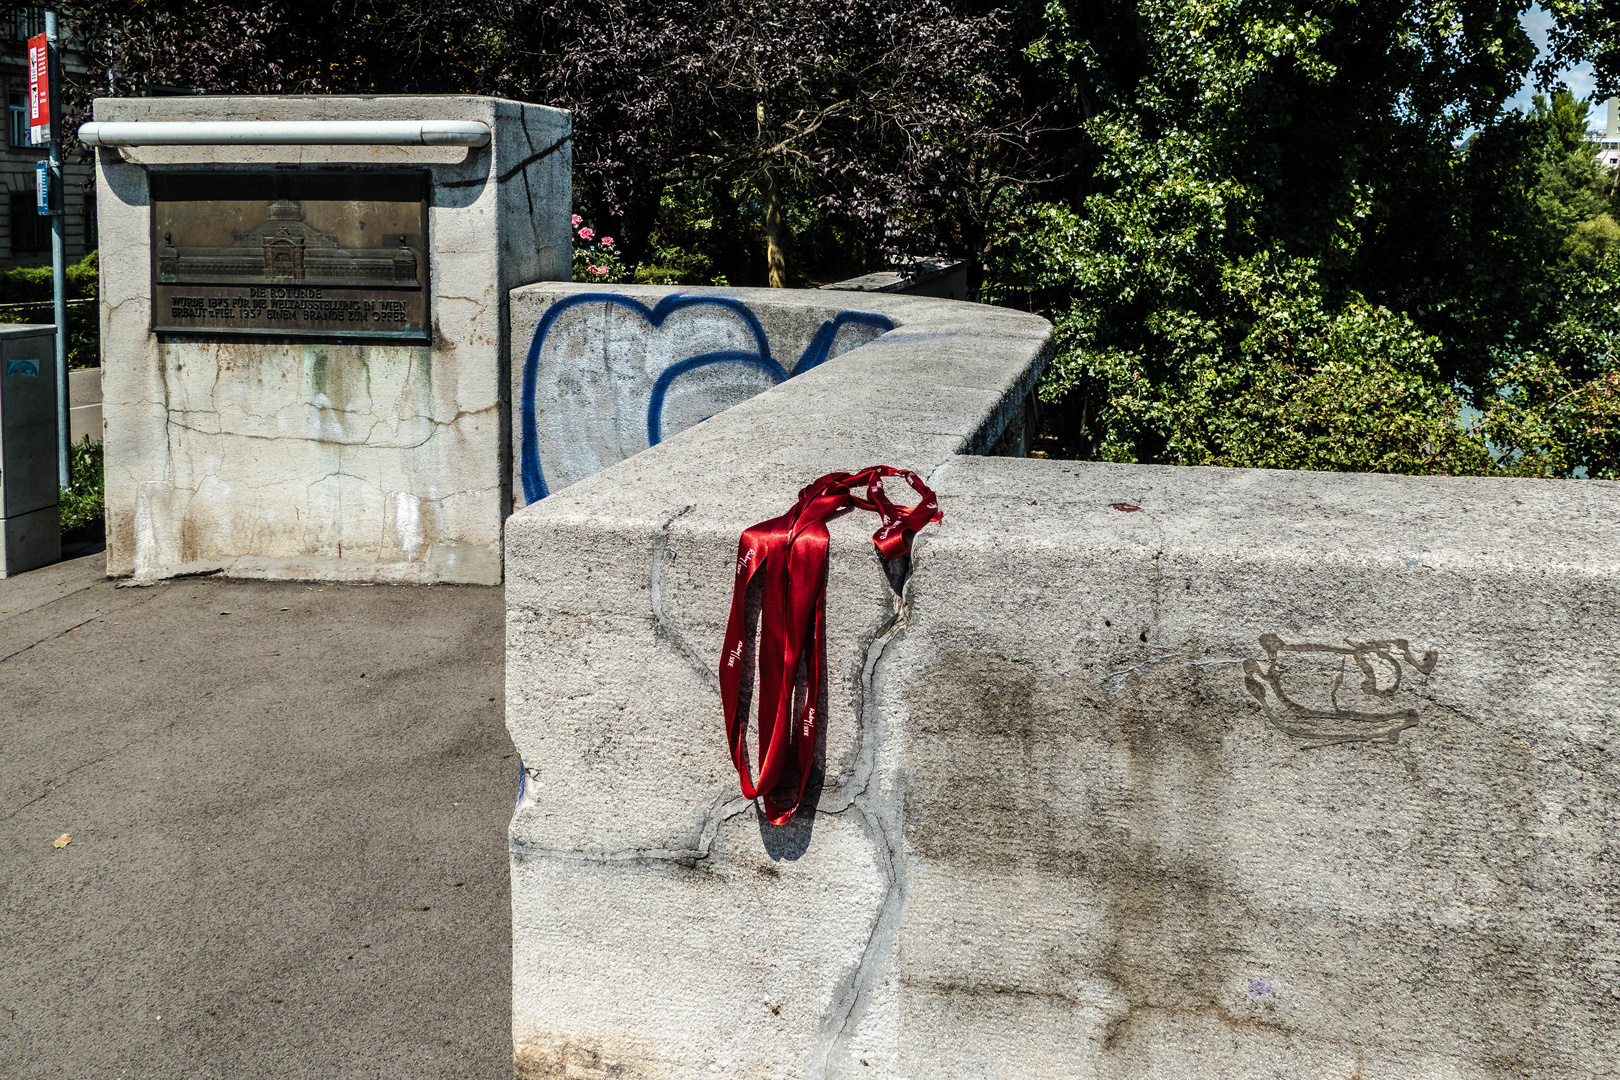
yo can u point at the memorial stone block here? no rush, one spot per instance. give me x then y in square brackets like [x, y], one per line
[305, 344]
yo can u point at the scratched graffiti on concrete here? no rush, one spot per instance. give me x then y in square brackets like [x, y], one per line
[608, 376]
[1330, 694]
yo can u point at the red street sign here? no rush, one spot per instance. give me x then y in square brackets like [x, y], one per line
[39, 90]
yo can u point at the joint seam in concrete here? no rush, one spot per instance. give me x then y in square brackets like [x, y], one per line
[663, 628]
[719, 812]
[882, 825]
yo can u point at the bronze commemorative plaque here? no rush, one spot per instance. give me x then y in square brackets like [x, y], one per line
[290, 254]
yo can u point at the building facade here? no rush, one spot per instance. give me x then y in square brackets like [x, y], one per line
[1608, 137]
[25, 235]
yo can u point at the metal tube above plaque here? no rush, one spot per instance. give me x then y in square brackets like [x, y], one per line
[286, 133]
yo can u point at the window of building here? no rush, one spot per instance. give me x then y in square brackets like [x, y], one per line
[30, 231]
[19, 120]
[26, 22]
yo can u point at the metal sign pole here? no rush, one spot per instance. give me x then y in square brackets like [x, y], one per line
[58, 259]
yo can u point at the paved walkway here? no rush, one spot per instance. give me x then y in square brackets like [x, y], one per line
[288, 805]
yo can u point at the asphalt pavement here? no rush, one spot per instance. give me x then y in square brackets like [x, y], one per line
[287, 805]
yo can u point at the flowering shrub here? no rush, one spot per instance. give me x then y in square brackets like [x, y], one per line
[596, 258]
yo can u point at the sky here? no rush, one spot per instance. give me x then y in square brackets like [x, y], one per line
[1580, 79]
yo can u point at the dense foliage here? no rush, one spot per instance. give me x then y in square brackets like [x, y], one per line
[25, 297]
[1284, 252]
[1270, 232]
[83, 506]
[866, 127]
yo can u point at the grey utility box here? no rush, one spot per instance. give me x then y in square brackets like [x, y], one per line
[28, 492]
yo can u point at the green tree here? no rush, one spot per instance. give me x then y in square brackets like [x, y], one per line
[1253, 185]
[1571, 189]
[1270, 232]
[1279, 249]
[1556, 411]
[1554, 405]
[1583, 31]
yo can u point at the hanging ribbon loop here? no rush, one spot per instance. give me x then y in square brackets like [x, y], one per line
[791, 553]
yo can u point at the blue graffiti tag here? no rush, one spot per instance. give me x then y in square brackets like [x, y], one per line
[760, 359]
[22, 367]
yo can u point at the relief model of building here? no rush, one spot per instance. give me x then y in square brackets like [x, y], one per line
[287, 249]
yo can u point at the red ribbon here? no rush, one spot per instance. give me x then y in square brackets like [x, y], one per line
[791, 551]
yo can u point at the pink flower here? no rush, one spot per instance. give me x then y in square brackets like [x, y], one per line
[587, 235]
[599, 271]
[577, 220]
[607, 241]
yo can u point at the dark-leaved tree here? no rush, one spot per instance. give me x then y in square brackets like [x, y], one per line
[1282, 233]
[889, 115]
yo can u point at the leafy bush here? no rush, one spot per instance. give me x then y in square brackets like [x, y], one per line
[1557, 409]
[83, 504]
[31, 285]
[596, 257]
[1589, 242]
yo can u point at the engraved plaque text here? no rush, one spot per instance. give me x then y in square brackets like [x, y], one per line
[290, 254]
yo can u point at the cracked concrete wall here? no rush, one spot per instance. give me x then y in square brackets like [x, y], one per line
[1150, 772]
[311, 459]
[658, 928]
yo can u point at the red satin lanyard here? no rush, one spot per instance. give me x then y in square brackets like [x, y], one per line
[791, 551]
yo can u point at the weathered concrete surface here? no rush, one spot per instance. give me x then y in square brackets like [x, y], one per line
[1120, 836]
[383, 462]
[1169, 773]
[942, 278]
[602, 372]
[287, 830]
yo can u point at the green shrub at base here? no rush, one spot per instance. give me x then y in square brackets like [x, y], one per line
[83, 512]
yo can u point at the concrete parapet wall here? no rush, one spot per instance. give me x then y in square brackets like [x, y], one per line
[327, 459]
[1146, 772]
[1281, 774]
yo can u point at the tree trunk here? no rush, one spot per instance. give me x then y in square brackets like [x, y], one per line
[775, 255]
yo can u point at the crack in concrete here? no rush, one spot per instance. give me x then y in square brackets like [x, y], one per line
[880, 815]
[51, 637]
[55, 782]
[718, 813]
[176, 421]
[18, 613]
[881, 820]
[663, 628]
[523, 169]
[870, 649]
